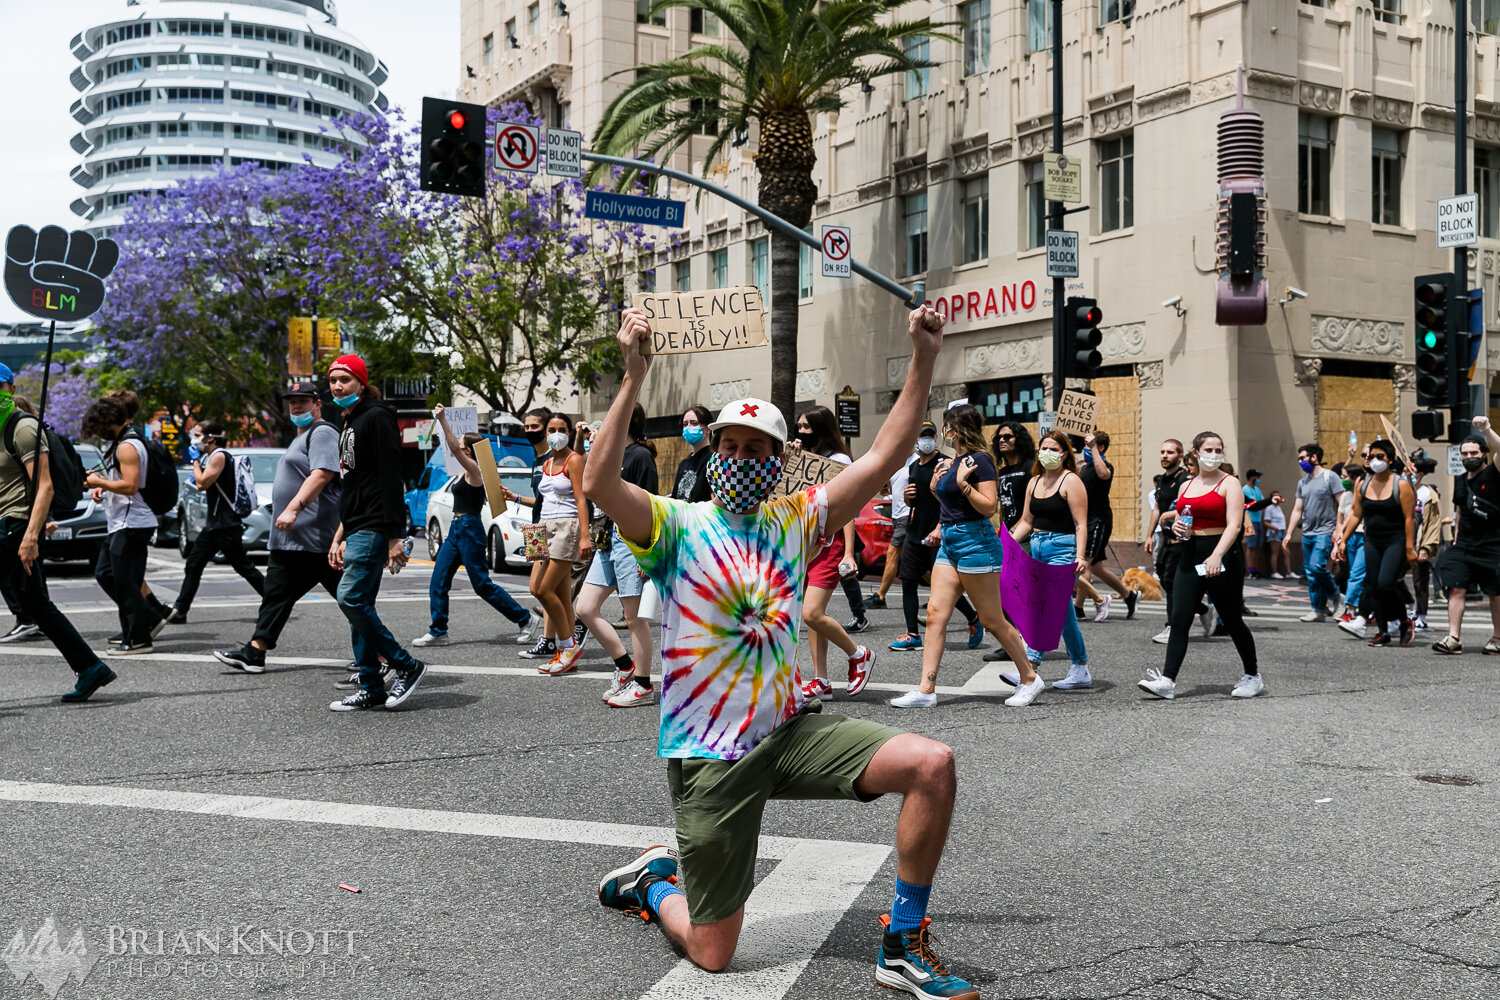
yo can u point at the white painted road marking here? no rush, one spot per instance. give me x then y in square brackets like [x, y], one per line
[788, 917]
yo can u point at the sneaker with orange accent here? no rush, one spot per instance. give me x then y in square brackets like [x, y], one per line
[564, 661]
[861, 665]
[818, 687]
[907, 962]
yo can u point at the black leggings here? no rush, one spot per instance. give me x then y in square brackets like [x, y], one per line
[1227, 591]
[1385, 577]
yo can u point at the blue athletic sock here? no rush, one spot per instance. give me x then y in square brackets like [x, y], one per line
[658, 891]
[910, 906]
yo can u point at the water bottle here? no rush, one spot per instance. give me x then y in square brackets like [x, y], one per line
[395, 566]
[1353, 441]
[1186, 518]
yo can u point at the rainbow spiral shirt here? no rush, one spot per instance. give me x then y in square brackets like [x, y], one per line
[731, 590]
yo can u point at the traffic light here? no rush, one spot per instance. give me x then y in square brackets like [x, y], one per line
[1081, 336]
[453, 147]
[1440, 362]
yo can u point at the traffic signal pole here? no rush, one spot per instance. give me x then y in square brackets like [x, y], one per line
[1055, 210]
[1463, 411]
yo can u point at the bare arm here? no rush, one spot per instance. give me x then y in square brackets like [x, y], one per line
[627, 505]
[1408, 511]
[1078, 506]
[205, 476]
[1102, 471]
[1296, 516]
[455, 448]
[1234, 514]
[858, 483]
[575, 467]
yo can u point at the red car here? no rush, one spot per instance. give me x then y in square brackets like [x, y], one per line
[873, 529]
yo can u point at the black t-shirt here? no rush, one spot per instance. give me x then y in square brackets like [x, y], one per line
[536, 485]
[1096, 488]
[1477, 502]
[925, 509]
[955, 506]
[1011, 483]
[1167, 488]
[692, 477]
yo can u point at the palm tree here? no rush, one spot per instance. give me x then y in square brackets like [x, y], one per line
[779, 63]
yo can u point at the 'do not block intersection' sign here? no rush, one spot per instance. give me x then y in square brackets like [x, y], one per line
[57, 275]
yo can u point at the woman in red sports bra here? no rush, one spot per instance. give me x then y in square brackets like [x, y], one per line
[1208, 516]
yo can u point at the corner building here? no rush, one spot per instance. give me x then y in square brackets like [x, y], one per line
[939, 176]
[175, 88]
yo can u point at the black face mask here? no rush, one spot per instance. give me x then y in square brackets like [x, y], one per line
[536, 437]
[1474, 464]
[807, 438]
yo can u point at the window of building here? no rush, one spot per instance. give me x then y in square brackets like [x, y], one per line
[648, 280]
[804, 271]
[317, 109]
[251, 132]
[132, 65]
[1487, 184]
[914, 209]
[285, 70]
[760, 268]
[1385, 176]
[1116, 183]
[976, 212]
[193, 27]
[128, 165]
[193, 95]
[489, 49]
[1315, 3]
[1485, 16]
[510, 33]
[999, 400]
[1038, 25]
[327, 48]
[718, 265]
[175, 130]
[1389, 11]
[643, 13]
[708, 126]
[1314, 164]
[682, 275]
[260, 33]
[1115, 10]
[1035, 217]
[976, 36]
[205, 59]
[126, 32]
[701, 22]
[917, 49]
[244, 64]
[174, 60]
[129, 99]
[534, 20]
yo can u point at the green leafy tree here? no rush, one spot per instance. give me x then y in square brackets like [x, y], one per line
[779, 62]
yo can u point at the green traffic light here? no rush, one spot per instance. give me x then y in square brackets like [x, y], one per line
[1429, 340]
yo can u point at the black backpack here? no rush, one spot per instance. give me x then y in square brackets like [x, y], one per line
[159, 487]
[63, 464]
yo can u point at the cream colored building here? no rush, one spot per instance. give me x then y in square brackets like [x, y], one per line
[937, 176]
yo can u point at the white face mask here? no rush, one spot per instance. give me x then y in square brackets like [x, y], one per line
[1378, 466]
[926, 445]
[1049, 459]
[557, 440]
[1210, 461]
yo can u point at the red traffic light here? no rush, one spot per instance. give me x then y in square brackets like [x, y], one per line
[458, 120]
[1090, 316]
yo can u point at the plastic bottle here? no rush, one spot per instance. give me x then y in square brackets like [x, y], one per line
[395, 566]
[1186, 518]
[1353, 441]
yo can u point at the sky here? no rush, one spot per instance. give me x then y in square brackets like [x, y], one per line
[421, 53]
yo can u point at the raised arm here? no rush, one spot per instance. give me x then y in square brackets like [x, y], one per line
[848, 491]
[1491, 439]
[627, 505]
[455, 448]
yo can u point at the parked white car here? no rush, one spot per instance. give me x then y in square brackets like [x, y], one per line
[504, 546]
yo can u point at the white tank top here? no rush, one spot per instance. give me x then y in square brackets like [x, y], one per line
[557, 492]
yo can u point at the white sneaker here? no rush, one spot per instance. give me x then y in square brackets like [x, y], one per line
[1313, 616]
[1101, 610]
[1078, 679]
[1419, 623]
[1163, 637]
[1277, 576]
[1206, 623]
[1011, 676]
[633, 695]
[1354, 626]
[526, 633]
[1249, 686]
[1155, 684]
[432, 639]
[1026, 693]
[617, 684]
[914, 699]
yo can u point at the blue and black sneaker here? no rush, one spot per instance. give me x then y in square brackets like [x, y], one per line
[907, 962]
[624, 888]
[976, 634]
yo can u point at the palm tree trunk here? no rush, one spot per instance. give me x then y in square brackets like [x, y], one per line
[784, 278]
[785, 162]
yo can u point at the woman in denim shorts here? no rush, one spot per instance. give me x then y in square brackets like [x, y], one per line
[968, 557]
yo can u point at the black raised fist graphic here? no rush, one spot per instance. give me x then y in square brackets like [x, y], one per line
[54, 274]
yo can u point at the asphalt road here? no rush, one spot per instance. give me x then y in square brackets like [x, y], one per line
[1105, 845]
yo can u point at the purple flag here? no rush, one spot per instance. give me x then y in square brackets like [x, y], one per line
[1035, 595]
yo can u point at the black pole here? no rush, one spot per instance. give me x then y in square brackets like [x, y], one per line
[1055, 208]
[1463, 412]
[41, 406]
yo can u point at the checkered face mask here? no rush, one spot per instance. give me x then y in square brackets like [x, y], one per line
[739, 484]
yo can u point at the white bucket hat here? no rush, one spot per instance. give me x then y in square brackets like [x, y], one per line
[752, 412]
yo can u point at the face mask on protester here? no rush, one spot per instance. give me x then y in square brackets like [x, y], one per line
[926, 445]
[1474, 463]
[739, 484]
[1305, 465]
[694, 435]
[302, 419]
[7, 405]
[557, 440]
[1049, 459]
[588, 446]
[536, 437]
[1377, 465]
[344, 402]
[807, 439]
[1210, 460]
[1347, 484]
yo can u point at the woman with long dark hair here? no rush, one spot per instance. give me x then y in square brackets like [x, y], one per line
[1208, 515]
[565, 514]
[1386, 504]
[968, 559]
[818, 434]
[534, 427]
[1014, 455]
[692, 472]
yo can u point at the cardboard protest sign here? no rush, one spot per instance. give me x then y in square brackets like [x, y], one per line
[1394, 436]
[1076, 413]
[1034, 595]
[803, 470]
[489, 471]
[724, 319]
[461, 420]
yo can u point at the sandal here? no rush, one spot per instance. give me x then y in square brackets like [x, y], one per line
[1492, 647]
[1448, 644]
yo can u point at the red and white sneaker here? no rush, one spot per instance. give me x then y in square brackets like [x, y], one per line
[861, 665]
[619, 683]
[818, 687]
[632, 695]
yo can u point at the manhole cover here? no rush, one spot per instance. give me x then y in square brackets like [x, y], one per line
[1448, 779]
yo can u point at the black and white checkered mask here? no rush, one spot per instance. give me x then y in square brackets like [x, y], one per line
[739, 484]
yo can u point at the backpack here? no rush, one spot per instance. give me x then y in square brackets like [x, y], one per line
[159, 485]
[243, 500]
[63, 464]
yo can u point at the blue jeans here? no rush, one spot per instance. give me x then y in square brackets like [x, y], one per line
[1057, 549]
[364, 563]
[465, 544]
[1354, 551]
[1320, 586]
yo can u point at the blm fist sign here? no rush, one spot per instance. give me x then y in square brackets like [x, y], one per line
[55, 274]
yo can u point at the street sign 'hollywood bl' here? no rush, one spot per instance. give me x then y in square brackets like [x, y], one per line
[57, 275]
[630, 208]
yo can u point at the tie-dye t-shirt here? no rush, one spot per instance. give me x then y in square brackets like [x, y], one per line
[731, 590]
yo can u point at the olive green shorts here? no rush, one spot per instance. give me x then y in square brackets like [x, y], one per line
[719, 803]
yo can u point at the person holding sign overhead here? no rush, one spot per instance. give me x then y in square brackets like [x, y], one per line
[465, 545]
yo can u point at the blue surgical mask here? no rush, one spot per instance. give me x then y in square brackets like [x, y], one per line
[1305, 465]
[302, 419]
[694, 435]
[588, 446]
[344, 402]
[1088, 456]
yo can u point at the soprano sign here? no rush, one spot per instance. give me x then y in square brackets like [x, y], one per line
[976, 308]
